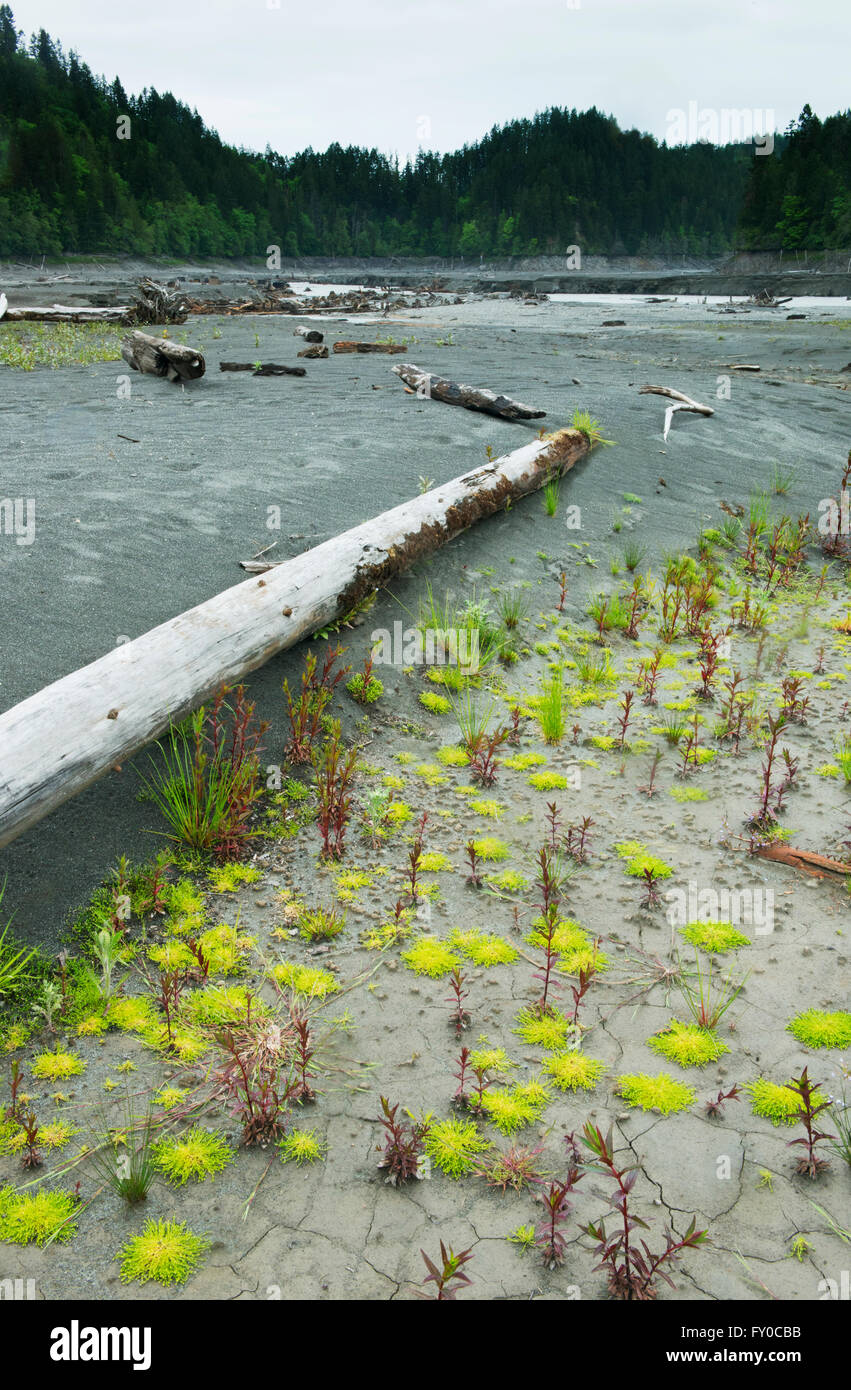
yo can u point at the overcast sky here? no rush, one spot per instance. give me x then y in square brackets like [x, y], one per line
[397, 74]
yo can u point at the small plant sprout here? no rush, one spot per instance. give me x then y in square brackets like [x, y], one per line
[460, 1018]
[365, 687]
[449, 1280]
[555, 1199]
[707, 1003]
[715, 1108]
[402, 1146]
[516, 1168]
[474, 878]
[811, 1105]
[301, 1146]
[632, 1275]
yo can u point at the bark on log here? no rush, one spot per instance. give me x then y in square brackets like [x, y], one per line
[265, 368]
[345, 346]
[161, 357]
[470, 397]
[66, 736]
[816, 864]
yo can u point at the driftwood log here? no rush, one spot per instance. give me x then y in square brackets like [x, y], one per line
[312, 335]
[369, 347]
[265, 368]
[157, 303]
[683, 403]
[161, 357]
[470, 397]
[315, 350]
[68, 313]
[66, 736]
[804, 859]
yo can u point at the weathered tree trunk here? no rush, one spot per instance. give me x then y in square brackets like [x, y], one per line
[470, 397]
[315, 350]
[161, 357]
[346, 346]
[312, 335]
[63, 738]
[265, 369]
[67, 313]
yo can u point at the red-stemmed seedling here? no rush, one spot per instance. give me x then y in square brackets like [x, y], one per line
[305, 714]
[715, 1108]
[473, 877]
[460, 1018]
[623, 721]
[811, 1106]
[450, 1279]
[631, 1273]
[555, 1199]
[402, 1145]
[649, 787]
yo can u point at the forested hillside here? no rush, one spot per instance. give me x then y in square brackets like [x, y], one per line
[70, 184]
[802, 198]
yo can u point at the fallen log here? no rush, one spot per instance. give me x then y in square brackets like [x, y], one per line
[312, 335]
[262, 368]
[817, 865]
[68, 313]
[315, 350]
[162, 357]
[66, 736]
[369, 347]
[684, 403]
[470, 397]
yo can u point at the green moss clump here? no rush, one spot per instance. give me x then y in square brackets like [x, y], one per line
[226, 878]
[573, 1071]
[197, 1155]
[513, 1110]
[430, 956]
[519, 762]
[687, 1044]
[490, 849]
[305, 979]
[32, 1219]
[450, 756]
[57, 1066]
[131, 1015]
[365, 690]
[660, 1092]
[547, 781]
[509, 881]
[778, 1104]
[552, 1032]
[482, 949]
[166, 1251]
[434, 863]
[453, 1146]
[436, 704]
[638, 859]
[217, 1005]
[714, 937]
[814, 1028]
[301, 1146]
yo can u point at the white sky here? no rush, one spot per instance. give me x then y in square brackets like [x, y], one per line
[397, 74]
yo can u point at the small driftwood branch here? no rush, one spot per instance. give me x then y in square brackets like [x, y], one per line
[161, 357]
[683, 403]
[470, 397]
[345, 346]
[816, 864]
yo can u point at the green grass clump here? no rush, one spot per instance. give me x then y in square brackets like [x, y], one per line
[775, 1103]
[453, 1146]
[34, 1218]
[301, 1146]
[430, 956]
[638, 858]
[687, 1044]
[166, 1251]
[320, 924]
[436, 704]
[57, 1066]
[814, 1028]
[490, 849]
[714, 937]
[482, 949]
[29, 345]
[365, 690]
[308, 980]
[660, 1092]
[573, 1071]
[197, 1155]
[552, 1032]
